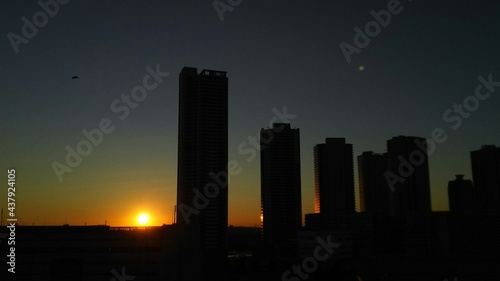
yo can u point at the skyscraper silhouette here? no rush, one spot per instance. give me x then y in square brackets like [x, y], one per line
[334, 178]
[486, 177]
[462, 196]
[203, 153]
[281, 207]
[407, 158]
[374, 193]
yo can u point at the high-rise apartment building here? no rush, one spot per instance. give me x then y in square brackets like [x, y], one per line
[281, 207]
[202, 154]
[486, 177]
[374, 192]
[409, 163]
[334, 178]
[462, 196]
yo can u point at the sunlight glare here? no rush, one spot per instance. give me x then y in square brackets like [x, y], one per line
[143, 219]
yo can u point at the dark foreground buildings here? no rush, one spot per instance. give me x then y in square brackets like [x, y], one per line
[202, 158]
[95, 253]
[397, 236]
[104, 253]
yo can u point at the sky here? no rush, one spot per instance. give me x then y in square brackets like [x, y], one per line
[406, 79]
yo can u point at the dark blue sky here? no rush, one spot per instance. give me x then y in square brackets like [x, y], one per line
[283, 53]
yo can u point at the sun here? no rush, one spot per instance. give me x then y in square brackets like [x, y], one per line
[143, 219]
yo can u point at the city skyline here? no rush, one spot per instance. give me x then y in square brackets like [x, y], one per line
[285, 63]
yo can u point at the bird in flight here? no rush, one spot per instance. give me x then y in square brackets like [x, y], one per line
[75, 77]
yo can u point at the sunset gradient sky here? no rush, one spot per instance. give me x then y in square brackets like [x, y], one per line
[277, 54]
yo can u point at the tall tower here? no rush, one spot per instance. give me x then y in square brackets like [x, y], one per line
[374, 193]
[461, 195]
[407, 158]
[486, 177]
[281, 207]
[203, 153]
[334, 178]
